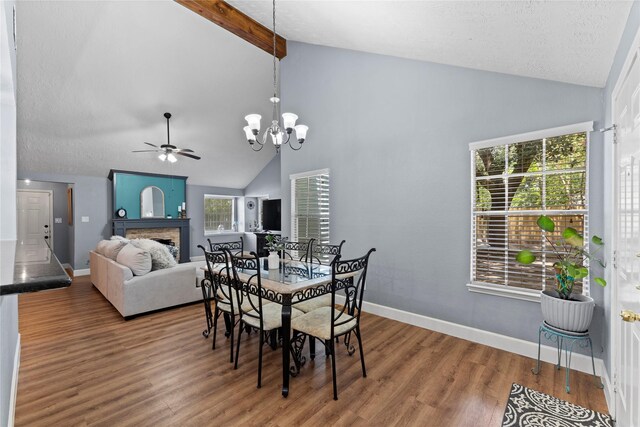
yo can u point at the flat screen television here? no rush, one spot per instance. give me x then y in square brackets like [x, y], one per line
[271, 215]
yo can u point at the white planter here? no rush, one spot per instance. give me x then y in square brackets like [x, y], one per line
[569, 315]
[273, 261]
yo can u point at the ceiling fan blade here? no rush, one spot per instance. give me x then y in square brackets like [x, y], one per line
[188, 155]
[153, 145]
[183, 150]
[145, 151]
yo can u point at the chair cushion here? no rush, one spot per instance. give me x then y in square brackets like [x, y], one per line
[317, 323]
[246, 306]
[313, 303]
[138, 260]
[271, 316]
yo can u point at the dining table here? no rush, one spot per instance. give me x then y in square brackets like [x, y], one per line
[292, 282]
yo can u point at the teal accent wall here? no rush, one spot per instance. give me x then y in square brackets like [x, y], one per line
[127, 188]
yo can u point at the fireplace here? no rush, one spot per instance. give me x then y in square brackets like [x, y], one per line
[176, 230]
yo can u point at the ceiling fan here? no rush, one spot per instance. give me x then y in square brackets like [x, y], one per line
[168, 151]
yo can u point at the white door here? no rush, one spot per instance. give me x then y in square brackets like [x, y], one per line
[34, 225]
[626, 295]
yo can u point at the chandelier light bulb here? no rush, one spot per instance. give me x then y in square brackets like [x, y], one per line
[250, 136]
[253, 120]
[289, 121]
[301, 132]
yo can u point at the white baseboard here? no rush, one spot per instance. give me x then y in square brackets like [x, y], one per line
[579, 362]
[14, 385]
[82, 272]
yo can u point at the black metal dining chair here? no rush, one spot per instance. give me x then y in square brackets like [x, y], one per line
[322, 254]
[217, 289]
[298, 251]
[266, 318]
[325, 253]
[236, 247]
[348, 277]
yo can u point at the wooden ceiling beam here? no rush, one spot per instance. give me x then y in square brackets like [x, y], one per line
[228, 17]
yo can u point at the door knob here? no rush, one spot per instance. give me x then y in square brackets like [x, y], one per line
[629, 316]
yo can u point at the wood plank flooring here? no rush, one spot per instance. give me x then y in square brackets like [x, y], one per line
[82, 364]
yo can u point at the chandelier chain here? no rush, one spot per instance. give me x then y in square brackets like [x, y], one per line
[274, 49]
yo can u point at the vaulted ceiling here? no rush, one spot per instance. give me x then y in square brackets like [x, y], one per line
[570, 41]
[95, 78]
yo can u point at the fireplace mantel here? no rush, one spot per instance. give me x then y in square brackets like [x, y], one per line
[120, 227]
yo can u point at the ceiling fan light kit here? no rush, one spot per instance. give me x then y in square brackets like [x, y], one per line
[167, 151]
[279, 134]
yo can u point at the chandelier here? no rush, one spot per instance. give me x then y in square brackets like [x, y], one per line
[279, 134]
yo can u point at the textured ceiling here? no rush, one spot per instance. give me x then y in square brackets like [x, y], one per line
[568, 41]
[95, 78]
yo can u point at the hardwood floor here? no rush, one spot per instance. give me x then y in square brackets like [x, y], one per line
[82, 364]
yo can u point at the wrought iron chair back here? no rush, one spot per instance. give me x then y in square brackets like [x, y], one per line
[301, 250]
[251, 289]
[353, 287]
[236, 247]
[326, 253]
[220, 289]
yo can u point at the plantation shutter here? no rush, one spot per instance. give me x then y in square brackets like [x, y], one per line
[514, 181]
[310, 207]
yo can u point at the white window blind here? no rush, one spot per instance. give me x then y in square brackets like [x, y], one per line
[514, 182]
[310, 207]
[219, 213]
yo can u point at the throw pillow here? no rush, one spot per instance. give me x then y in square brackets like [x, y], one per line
[160, 255]
[138, 260]
[101, 247]
[123, 239]
[173, 250]
[112, 248]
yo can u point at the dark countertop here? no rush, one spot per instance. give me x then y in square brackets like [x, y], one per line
[29, 276]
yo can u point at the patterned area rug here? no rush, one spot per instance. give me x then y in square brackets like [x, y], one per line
[527, 407]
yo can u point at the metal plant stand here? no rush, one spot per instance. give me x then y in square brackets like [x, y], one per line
[566, 341]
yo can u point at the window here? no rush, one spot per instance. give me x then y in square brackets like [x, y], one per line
[310, 206]
[515, 180]
[219, 213]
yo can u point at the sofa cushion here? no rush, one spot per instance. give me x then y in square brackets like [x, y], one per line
[160, 255]
[138, 260]
[109, 248]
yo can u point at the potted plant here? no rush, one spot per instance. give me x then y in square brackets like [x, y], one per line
[275, 244]
[561, 307]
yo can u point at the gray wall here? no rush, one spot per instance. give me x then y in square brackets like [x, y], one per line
[631, 28]
[61, 243]
[394, 134]
[267, 182]
[8, 304]
[91, 198]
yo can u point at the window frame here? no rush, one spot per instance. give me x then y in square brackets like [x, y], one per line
[505, 290]
[234, 212]
[292, 181]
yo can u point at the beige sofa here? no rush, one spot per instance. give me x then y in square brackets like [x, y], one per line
[132, 295]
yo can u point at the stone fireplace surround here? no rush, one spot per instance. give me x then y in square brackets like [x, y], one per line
[174, 229]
